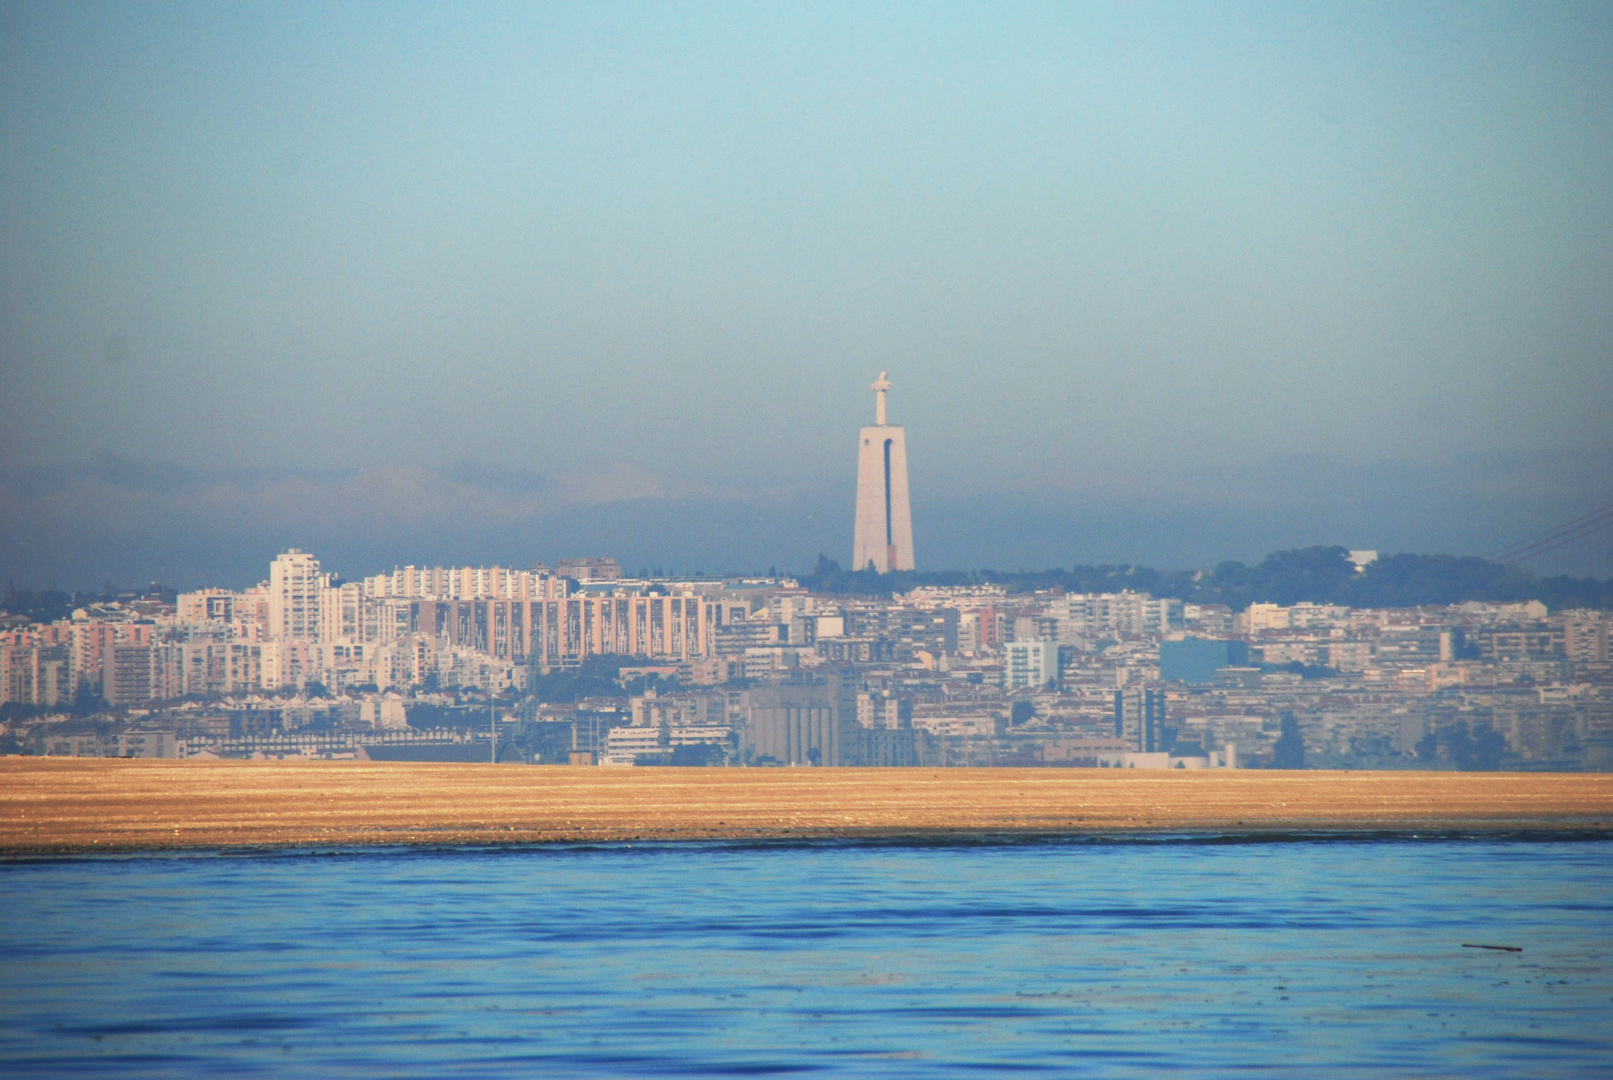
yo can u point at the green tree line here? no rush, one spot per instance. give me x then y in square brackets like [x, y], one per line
[1321, 575]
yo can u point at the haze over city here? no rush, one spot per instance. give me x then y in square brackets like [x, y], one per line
[605, 539]
[1166, 284]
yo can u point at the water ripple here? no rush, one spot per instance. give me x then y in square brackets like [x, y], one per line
[1103, 956]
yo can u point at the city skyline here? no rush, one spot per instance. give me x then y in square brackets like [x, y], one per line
[1120, 671]
[443, 629]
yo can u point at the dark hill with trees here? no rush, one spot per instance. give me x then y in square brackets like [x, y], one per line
[1322, 575]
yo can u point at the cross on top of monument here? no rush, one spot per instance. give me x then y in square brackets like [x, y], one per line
[879, 387]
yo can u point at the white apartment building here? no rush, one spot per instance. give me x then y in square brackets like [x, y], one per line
[878, 710]
[247, 611]
[1032, 663]
[464, 583]
[1585, 637]
[296, 587]
[1303, 616]
[625, 744]
[1122, 614]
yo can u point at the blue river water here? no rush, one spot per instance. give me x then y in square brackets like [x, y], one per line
[1199, 956]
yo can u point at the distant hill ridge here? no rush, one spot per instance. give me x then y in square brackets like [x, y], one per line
[1319, 575]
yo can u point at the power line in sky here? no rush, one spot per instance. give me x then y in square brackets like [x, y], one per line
[1556, 537]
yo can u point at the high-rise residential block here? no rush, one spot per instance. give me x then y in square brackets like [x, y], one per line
[296, 588]
[1031, 663]
[1140, 719]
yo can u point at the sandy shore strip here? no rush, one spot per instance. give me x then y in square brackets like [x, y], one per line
[79, 804]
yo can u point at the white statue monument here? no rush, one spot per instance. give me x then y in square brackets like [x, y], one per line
[884, 532]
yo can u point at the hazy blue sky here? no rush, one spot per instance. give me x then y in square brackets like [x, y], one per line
[1165, 284]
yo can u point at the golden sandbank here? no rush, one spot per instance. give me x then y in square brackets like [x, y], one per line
[77, 804]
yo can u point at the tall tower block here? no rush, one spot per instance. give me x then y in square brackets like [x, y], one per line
[884, 534]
